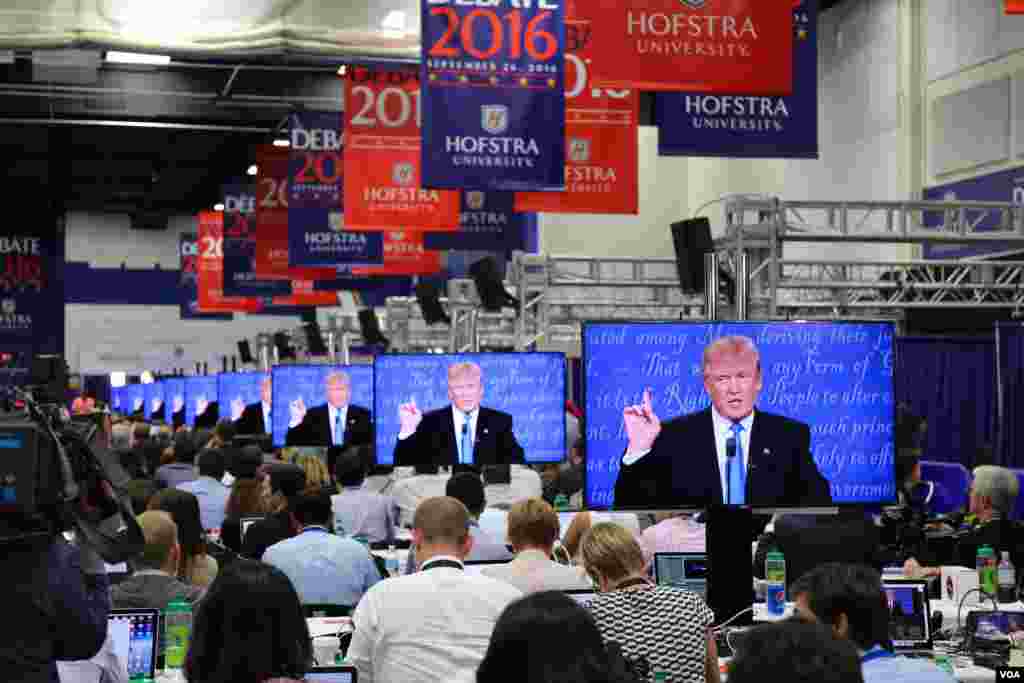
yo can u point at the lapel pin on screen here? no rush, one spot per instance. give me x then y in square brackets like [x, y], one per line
[1010, 673]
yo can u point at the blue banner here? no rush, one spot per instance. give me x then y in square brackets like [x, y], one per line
[747, 126]
[153, 394]
[308, 383]
[492, 95]
[1003, 186]
[316, 227]
[188, 249]
[486, 223]
[236, 390]
[200, 397]
[528, 386]
[836, 378]
[240, 246]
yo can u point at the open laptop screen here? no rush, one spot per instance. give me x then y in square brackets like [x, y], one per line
[684, 570]
[909, 625]
[582, 596]
[133, 633]
[332, 674]
[477, 566]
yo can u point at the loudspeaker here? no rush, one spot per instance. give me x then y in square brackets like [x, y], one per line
[369, 327]
[314, 339]
[428, 296]
[245, 352]
[691, 240]
[490, 287]
[284, 348]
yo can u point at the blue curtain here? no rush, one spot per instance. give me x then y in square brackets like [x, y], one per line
[1010, 347]
[951, 382]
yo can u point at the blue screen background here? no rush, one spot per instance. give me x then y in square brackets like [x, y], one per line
[234, 385]
[196, 388]
[836, 377]
[307, 381]
[528, 386]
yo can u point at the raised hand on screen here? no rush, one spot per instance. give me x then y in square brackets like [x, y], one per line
[297, 408]
[237, 407]
[642, 425]
[178, 403]
[137, 404]
[155, 404]
[201, 404]
[409, 416]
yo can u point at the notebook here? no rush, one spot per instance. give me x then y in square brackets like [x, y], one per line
[134, 635]
[684, 570]
[332, 674]
[909, 615]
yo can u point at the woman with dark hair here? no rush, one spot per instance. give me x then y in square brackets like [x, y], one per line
[548, 637]
[197, 567]
[249, 629]
[247, 499]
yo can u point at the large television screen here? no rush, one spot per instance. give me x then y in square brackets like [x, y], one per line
[115, 399]
[779, 415]
[237, 391]
[527, 388]
[201, 400]
[133, 400]
[154, 400]
[174, 400]
[305, 396]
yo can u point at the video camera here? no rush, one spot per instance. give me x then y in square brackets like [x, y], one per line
[52, 481]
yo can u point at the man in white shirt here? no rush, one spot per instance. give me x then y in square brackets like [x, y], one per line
[533, 529]
[428, 481]
[435, 625]
[524, 483]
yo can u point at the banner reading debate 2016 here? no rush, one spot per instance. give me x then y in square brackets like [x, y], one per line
[211, 268]
[601, 142]
[751, 126]
[31, 296]
[382, 157]
[316, 225]
[240, 277]
[714, 46]
[188, 248]
[493, 94]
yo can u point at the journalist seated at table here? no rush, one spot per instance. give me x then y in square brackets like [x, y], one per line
[992, 495]
[182, 468]
[428, 481]
[849, 599]
[208, 488]
[154, 582]
[796, 652]
[359, 511]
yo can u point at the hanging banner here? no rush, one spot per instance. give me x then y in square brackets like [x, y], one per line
[1000, 186]
[211, 268]
[240, 277]
[750, 126]
[404, 254]
[382, 157]
[487, 222]
[31, 295]
[316, 226]
[188, 248]
[493, 95]
[601, 144]
[711, 46]
[1015, 6]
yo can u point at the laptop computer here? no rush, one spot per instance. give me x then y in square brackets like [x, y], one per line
[582, 595]
[134, 635]
[477, 566]
[684, 570]
[909, 616]
[246, 522]
[332, 674]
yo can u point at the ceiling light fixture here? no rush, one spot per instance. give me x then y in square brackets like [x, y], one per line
[252, 170]
[282, 142]
[117, 57]
[218, 207]
[341, 70]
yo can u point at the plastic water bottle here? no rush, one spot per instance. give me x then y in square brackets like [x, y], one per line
[986, 565]
[660, 677]
[561, 503]
[391, 561]
[1007, 579]
[177, 629]
[775, 582]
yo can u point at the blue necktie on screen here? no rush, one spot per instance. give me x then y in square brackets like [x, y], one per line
[339, 430]
[466, 448]
[737, 472]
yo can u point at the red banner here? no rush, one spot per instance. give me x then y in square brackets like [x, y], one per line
[1015, 6]
[382, 157]
[404, 255]
[601, 157]
[211, 269]
[272, 221]
[712, 46]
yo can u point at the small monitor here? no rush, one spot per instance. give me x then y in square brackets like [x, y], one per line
[247, 522]
[582, 595]
[684, 570]
[332, 674]
[134, 635]
[909, 612]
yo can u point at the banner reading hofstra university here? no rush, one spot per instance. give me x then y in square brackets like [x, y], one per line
[404, 254]
[240, 278]
[601, 167]
[211, 268]
[316, 234]
[188, 248]
[493, 94]
[713, 46]
[751, 126]
[487, 222]
[383, 190]
[1015, 6]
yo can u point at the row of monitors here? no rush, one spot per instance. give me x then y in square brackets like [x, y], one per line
[823, 391]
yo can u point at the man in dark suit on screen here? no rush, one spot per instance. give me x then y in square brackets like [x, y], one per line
[726, 454]
[207, 413]
[463, 433]
[255, 417]
[335, 423]
[177, 411]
